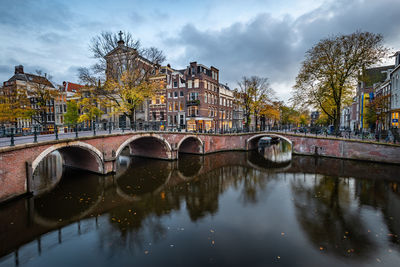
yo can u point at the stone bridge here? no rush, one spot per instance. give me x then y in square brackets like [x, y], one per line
[99, 153]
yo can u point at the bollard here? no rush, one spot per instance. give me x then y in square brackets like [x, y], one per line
[76, 130]
[56, 131]
[34, 134]
[109, 128]
[12, 137]
[94, 128]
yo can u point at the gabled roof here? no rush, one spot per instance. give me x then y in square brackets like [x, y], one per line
[27, 77]
[120, 47]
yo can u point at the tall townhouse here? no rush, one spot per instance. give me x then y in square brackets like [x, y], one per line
[226, 108]
[365, 91]
[395, 95]
[176, 99]
[202, 98]
[383, 96]
[158, 103]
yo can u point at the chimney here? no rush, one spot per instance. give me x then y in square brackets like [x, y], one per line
[19, 69]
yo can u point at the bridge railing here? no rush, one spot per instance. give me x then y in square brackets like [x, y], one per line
[11, 136]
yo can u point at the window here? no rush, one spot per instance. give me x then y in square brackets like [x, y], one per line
[175, 94]
[170, 106]
[180, 106]
[181, 93]
[169, 95]
[205, 98]
[196, 83]
[189, 83]
[161, 115]
[175, 84]
[162, 99]
[154, 116]
[193, 111]
[176, 106]
[194, 96]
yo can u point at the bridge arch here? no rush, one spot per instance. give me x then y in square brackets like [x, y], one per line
[191, 144]
[251, 143]
[147, 145]
[75, 154]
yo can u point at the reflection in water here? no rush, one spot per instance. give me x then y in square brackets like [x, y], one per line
[47, 174]
[276, 152]
[222, 209]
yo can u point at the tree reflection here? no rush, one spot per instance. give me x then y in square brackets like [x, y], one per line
[328, 217]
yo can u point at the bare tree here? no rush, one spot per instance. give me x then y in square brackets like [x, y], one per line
[255, 92]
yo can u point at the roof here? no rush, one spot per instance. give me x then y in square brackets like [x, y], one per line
[126, 49]
[27, 77]
[72, 87]
[375, 75]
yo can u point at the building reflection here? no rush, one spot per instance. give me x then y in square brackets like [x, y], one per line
[133, 203]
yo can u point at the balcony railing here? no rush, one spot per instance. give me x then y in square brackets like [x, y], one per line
[194, 102]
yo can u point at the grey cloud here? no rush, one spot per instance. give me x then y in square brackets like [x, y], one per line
[137, 18]
[51, 37]
[274, 48]
[35, 14]
[160, 15]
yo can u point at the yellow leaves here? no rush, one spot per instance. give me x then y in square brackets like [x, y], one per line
[89, 108]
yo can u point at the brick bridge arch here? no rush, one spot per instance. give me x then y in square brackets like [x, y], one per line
[191, 144]
[252, 141]
[75, 154]
[148, 145]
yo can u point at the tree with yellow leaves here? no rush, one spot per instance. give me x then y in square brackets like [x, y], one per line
[14, 105]
[126, 71]
[330, 71]
[269, 112]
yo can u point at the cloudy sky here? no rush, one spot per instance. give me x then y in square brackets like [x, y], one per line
[266, 37]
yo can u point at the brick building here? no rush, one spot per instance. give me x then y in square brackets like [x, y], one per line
[44, 118]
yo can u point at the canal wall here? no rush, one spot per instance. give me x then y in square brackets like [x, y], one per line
[345, 149]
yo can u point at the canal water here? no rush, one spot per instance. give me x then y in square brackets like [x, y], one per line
[223, 209]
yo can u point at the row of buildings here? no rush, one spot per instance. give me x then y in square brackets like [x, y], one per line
[192, 98]
[379, 86]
